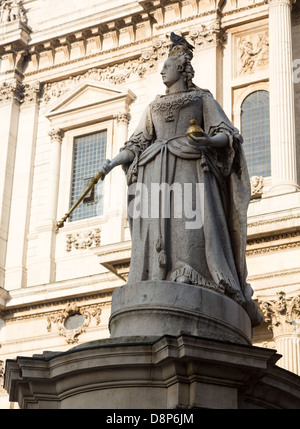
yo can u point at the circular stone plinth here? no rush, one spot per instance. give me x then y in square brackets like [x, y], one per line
[156, 308]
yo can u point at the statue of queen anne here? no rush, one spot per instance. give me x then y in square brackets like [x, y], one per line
[161, 151]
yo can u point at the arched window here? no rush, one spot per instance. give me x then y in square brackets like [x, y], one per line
[255, 128]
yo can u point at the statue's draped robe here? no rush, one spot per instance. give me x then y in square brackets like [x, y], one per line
[211, 255]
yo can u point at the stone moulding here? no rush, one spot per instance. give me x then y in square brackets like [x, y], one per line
[4, 296]
[273, 243]
[170, 372]
[178, 308]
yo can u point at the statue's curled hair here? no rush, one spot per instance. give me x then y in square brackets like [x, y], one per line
[184, 59]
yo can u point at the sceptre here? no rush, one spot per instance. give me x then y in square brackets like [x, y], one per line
[93, 182]
[123, 157]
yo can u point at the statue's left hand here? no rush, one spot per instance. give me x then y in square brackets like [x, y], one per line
[204, 140]
[219, 140]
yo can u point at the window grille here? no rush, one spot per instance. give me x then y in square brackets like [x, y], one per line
[89, 152]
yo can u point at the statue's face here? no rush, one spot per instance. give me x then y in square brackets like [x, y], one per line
[171, 72]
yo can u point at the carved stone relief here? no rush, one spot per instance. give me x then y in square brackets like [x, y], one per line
[257, 186]
[24, 94]
[56, 134]
[11, 90]
[83, 240]
[12, 10]
[252, 52]
[282, 314]
[283, 318]
[74, 320]
[123, 117]
[31, 93]
[209, 35]
[116, 74]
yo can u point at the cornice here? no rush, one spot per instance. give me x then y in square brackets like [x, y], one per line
[196, 16]
[273, 243]
[125, 51]
[65, 290]
[280, 274]
[288, 221]
[288, 3]
[33, 311]
[51, 41]
[245, 8]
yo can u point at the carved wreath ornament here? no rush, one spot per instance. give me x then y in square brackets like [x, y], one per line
[73, 321]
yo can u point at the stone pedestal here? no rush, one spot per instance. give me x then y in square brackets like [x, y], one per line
[161, 307]
[183, 372]
[172, 346]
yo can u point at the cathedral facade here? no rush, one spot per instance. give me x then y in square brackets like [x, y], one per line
[74, 81]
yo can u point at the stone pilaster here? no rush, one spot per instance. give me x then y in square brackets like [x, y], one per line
[118, 178]
[11, 96]
[282, 109]
[283, 317]
[56, 136]
[46, 230]
[122, 127]
[16, 276]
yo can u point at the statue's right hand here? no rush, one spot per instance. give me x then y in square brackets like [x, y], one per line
[105, 168]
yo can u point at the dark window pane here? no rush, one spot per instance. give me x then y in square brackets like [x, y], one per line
[255, 128]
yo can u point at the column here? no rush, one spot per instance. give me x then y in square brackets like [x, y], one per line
[22, 189]
[283, 317]
[11, 95]
[47, 228]
[282, 109]
[56, 136]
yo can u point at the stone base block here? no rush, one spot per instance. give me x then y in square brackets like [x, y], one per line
[162, 307]
[183, 372]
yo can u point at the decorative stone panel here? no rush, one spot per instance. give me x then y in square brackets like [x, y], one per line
[83, 240]
[251, 52]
